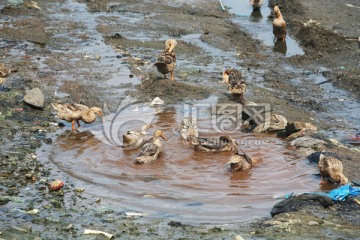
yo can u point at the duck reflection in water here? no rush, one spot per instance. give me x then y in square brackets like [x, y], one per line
[256, 15]
[280, 46]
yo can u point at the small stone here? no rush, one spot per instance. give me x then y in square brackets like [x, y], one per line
[35, 98]
[97, 200]
[33, 211]
[313, 223]
[28, 176]
[69, 227]
[79, 190]
[238, 237]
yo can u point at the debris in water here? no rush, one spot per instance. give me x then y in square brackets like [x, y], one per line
[33, 211]
[56, 185]
[157, 101]
[95, 232]
[311, 22]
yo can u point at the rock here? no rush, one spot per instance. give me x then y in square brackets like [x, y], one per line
[307, 142]
[277, 123]
[35, 98]
[295, 203]
[238, 237]
[157, 101]
[294, 127]
[313, 223]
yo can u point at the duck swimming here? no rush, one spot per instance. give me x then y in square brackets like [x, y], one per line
[135, 138]
[223, 144]
[76, 112]
[166, 61]
[189, 130]
[240, 162]
[150, 151]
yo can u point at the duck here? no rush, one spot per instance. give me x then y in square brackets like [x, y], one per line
[166, 61]
[256, 4]
[279, 25]
[135, 138]
[223, 144]
[150, 151]
[76, 112]
[240, 162]
[331, 167]
[236, 83]
[189, 130]
[4, 73]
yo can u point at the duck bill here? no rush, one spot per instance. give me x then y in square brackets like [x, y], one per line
[163, 136]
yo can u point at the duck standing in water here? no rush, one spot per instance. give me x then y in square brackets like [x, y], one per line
[236, 83]
[279, 25]
[256, 4]
[189, 130]
[150, 151]
[76, 112]
[135, 138]
[331, 167]
[4, 73]
[166, 61]
[223, 144]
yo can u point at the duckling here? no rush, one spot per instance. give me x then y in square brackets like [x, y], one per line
[333, 168]
[189, 130]
[223, 144]
[279, 25]
[256, 4]
[76, 112]
[150, 151]
[166, 61]
[240, 162]
[134, 139]
[236, 83]
[4, 73]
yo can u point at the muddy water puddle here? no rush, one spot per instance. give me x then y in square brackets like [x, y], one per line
[182, 184]
[259, 25]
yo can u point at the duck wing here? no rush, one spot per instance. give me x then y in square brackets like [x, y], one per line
[149, 149]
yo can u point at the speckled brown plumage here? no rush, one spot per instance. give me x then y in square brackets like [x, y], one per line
[331, 167]
[236, 82]
[166, 61]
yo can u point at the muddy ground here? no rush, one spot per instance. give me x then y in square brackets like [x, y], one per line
[41, 45]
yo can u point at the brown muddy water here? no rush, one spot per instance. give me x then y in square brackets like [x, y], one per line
[181, 185]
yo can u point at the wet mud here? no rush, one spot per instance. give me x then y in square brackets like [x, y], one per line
[101, 53]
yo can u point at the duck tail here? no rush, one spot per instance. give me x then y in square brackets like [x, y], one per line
[143, 159]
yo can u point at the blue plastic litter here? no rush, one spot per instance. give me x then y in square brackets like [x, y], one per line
[338, 194]
[343, 192]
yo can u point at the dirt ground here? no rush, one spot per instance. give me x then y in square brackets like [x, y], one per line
[41, 46]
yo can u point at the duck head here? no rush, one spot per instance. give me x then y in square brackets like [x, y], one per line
[170, 45]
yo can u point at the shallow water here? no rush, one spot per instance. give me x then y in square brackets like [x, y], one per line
[258, 24]
[182, 184]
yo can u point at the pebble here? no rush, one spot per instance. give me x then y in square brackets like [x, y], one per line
[35, 98]
[313, 223]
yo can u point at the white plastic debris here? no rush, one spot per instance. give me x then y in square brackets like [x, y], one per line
[134, 214]
[33, 211]
[157, 101]
[95, 232]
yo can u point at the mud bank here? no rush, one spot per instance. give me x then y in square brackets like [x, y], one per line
[99, 52]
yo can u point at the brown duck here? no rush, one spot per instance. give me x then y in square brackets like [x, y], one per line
[240, 162]
[150, 151]
[236, 83]
[279, 25]
[331, 167]
[76, 112]
[256, 4]
[166, 61]
[223, 144]
[4, 73]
